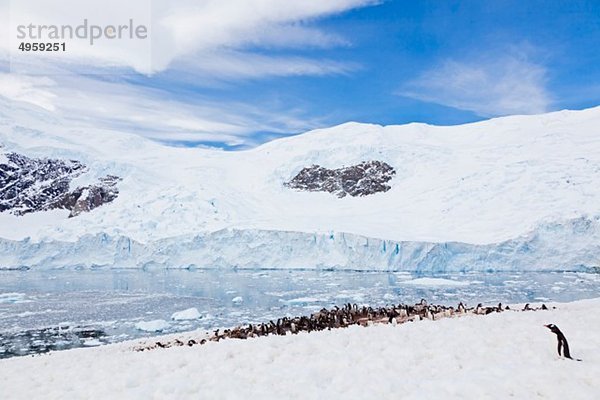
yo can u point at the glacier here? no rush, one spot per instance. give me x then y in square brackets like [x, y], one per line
[510, 193]
[573, 245]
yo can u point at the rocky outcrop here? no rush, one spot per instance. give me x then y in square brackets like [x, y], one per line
[366, 178]
[40, 184]
[85, 199]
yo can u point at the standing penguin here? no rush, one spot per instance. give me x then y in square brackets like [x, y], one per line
[562, 341]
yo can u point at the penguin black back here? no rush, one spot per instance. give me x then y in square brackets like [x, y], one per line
[562, 341]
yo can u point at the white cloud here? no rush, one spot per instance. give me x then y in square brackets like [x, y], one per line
[210, 31]
[41, 15]
[230, 65]
[33, 90]
[214, 24]
[204, 42]
[205, 31]
[81, 101]
[508, 84]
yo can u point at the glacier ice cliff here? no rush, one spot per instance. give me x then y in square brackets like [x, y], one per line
[569, 245]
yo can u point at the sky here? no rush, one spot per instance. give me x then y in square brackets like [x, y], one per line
[236, 73]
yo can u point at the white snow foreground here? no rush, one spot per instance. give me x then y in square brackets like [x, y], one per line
[511, 192]
[499, 356]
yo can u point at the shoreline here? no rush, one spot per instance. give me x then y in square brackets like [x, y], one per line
[505, 354]
[340, 318]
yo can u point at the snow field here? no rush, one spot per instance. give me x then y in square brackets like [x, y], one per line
[512, 173]
[493, 357]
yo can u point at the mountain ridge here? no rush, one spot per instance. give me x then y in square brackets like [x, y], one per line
[480, 183]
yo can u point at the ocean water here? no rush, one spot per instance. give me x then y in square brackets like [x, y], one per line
[43, 311]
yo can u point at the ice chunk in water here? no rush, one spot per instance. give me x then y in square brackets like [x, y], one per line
[156, 325]
[237, 300]
[190, 313]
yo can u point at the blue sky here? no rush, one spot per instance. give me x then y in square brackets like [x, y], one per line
[286, 69]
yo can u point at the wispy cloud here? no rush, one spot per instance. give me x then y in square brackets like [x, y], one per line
[33, 90]
[487, 86]
[226, 33]
[199, 32]
[81, 101]
[236, 65]
[204, 43]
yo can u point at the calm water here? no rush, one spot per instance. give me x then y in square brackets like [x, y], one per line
[48, 310]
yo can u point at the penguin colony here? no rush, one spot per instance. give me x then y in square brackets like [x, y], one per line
[349, 314]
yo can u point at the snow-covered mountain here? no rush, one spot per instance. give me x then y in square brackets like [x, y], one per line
[508, 193]
[33, 185]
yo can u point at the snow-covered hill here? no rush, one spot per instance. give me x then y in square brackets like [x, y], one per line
[478, 187]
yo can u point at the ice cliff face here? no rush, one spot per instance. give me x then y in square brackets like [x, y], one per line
[567, 245]
[41, 184]
[368, 177]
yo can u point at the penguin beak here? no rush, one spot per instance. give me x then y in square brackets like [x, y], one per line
[547, 326]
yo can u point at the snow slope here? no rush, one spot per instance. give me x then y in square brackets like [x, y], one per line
[499, 356]
[490, 183]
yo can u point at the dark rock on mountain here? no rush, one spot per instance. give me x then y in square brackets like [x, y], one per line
[84, 199]
[366, 178]
[28, 184]
[40, 184]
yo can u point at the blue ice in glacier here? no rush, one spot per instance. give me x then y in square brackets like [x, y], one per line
[570, 245]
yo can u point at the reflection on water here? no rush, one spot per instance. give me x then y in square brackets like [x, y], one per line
[110, 303]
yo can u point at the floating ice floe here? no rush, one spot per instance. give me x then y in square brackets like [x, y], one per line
[300, 301]
[435, 282]
[190, 313]
[92, 343]
[156, 325]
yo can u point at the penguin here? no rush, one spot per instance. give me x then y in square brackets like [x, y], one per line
[403, 313]
[562, 341]
[479, 310]
[429, 314]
